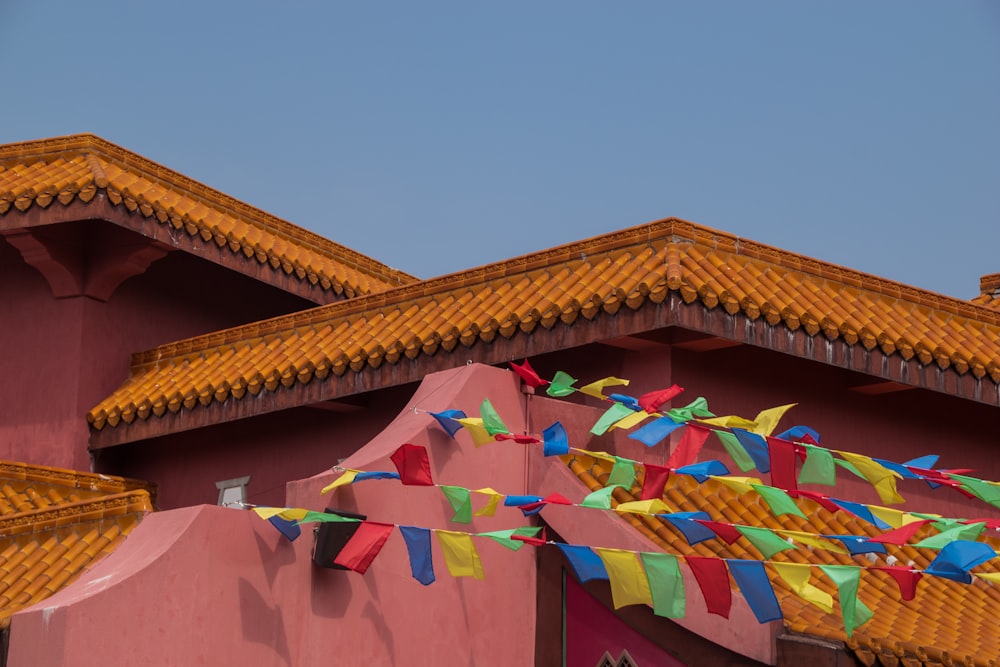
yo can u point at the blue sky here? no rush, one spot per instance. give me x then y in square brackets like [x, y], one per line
[436, 136]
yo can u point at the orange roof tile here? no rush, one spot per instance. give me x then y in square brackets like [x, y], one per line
[627, 271]
[78, 168]
[989, 291]
[924, 631]
[54, 524]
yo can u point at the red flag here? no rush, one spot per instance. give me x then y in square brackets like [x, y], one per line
[520, 439]
[782, 463]
[689, 447]
[413, 465]
[902, 535]
[364, 545]
[823, 501]
[652, 401]
[528, 374]
[537, 541]
[552, 498]
[723, 530]
[906, 578]
[713, 579]
[653, 482]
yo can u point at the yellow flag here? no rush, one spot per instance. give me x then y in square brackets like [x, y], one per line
[737, 484]
[796, 575]
[343, 480]
[460, 554]
[629, 584]
[595, 389]
[491, 505]
[632, 420]
[813, 541]
[474, 425]
[882, 478]
[989, 576]
[894, 518]
[267, 512]
[732, 421]
[767, 420]
[653, 506]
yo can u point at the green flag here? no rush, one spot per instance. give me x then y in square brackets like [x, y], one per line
[736, 451]
[503, 537]
[622, 474]
[615, 413]
[491, 420]
[819, 467]
[766, 542]
[854, 611]
[665, 583]
[600, 499]
[561, 385]
[460, 501]
[696, 408]
[779, 501]
[961, 531]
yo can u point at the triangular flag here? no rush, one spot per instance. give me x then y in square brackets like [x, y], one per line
[364, 545]
[689, 447]
[622, 474]
[847, 578]
[561, 385]
[768, 419]
[810, 539]
[600, 499]
[800, 434]
[491, 420]
[596, 389]
[418, 547]
[756, 448]
[779, 501]
[796, 575]
[906, 578]
[861, 511]
[882, 478]
[819, 467]
[629, 421]
[756, 588]
[696, 408]
[652, 401]
[460, 501]
[857, 545]
[374, 474]
[490, 508]
[585, 563]
[528, 374]
[614, 414]
[654, 506]
[654, 480]
[764, 539]
[726, 531]
[343, 480]
[693, 532]
[531, 509]
[702, 471]
[959, 532]
[460, 554]
[631, 401]
[474, 425]
[901, 535]
[413, 465]
[505, 537]
[988, 492]
[555, 439]
[447, 420]
[666, 584]
[654, 432]
[289, 528]
[956, 559]
[736, 450]
[628, 580]
[713, 580]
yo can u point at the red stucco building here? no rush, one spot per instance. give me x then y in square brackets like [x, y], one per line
[158, 330]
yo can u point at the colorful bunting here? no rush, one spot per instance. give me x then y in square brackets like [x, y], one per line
[882, 478]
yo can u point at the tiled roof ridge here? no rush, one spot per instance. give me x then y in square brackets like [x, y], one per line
[50, 518]
[73, 479]
[670, 230]
[88, 145]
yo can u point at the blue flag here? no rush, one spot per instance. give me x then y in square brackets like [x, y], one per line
[586, 564]
[446, 418]
[655, 431]
[956, 559]
[756, 588]
[692, 531]
[555, 440]
[756, 447]
[289, 529]
[418, 545]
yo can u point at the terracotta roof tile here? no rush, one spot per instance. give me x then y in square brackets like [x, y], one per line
[55, 523]
[627, 269]
[924, 631]
[76, 168]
